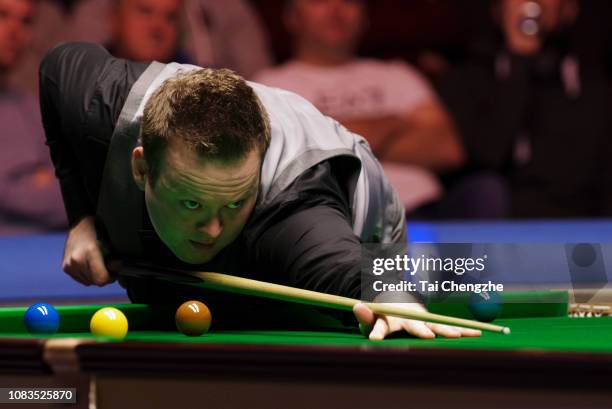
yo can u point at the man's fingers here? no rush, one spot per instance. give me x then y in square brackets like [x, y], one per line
[378, 327]
[97, 270]
[79, 277]
[75, 270]
[365, 317]
[363, 314]
[418, 329]
[450, 331]
[380, 330]
[445, 330]
[469, 332]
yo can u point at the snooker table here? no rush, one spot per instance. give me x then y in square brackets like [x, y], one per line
[550, 361]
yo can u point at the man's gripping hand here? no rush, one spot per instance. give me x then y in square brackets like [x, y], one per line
[377, 327]
[84, 255]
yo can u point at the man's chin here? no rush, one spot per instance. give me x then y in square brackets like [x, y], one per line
[196, 257]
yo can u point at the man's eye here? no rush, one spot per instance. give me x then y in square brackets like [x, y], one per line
[191, 204]
[235, 205]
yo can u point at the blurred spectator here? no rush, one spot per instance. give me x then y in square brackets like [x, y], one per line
[212, 33]
[389, 103]
[226, 34]
[145, 30]
[534, 109]
[48, 29]
[139, 30]
[29, 193]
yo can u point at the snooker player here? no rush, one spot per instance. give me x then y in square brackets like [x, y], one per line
[187, 167]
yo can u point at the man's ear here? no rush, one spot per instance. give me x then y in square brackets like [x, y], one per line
[139, 167]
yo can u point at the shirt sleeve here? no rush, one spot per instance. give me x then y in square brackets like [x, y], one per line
[82, 91]
[59, 117]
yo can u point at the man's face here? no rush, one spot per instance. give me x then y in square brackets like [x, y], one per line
[553, 13]
[327, 24]
[15, 30]
[146, 30]
[198, 207]
[526, 23]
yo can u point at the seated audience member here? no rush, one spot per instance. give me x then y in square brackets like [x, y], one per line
[140, 30]
[29, 194]
[389, 103]
[212, 33]
[226, 34]
[145, 30]
[533, 110]
[48, 29]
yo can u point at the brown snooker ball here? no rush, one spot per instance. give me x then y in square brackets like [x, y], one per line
[193, 318]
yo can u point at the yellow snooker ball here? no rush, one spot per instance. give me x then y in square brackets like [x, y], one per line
[109, 322]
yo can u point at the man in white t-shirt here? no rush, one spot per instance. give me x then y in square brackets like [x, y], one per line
[389, 103]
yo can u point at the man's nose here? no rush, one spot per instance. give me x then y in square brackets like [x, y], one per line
[212, 227]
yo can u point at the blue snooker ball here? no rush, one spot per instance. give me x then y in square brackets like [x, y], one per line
[485, 306]
[41, 318]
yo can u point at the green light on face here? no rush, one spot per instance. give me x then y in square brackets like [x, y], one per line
[235, 205]
[191, 204]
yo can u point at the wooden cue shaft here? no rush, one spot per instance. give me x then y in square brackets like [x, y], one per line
[225, 282]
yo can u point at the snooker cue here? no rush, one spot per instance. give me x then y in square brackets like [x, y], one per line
[225, 282]
[247, 286]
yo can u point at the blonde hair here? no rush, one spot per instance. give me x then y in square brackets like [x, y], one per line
[214, 112]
